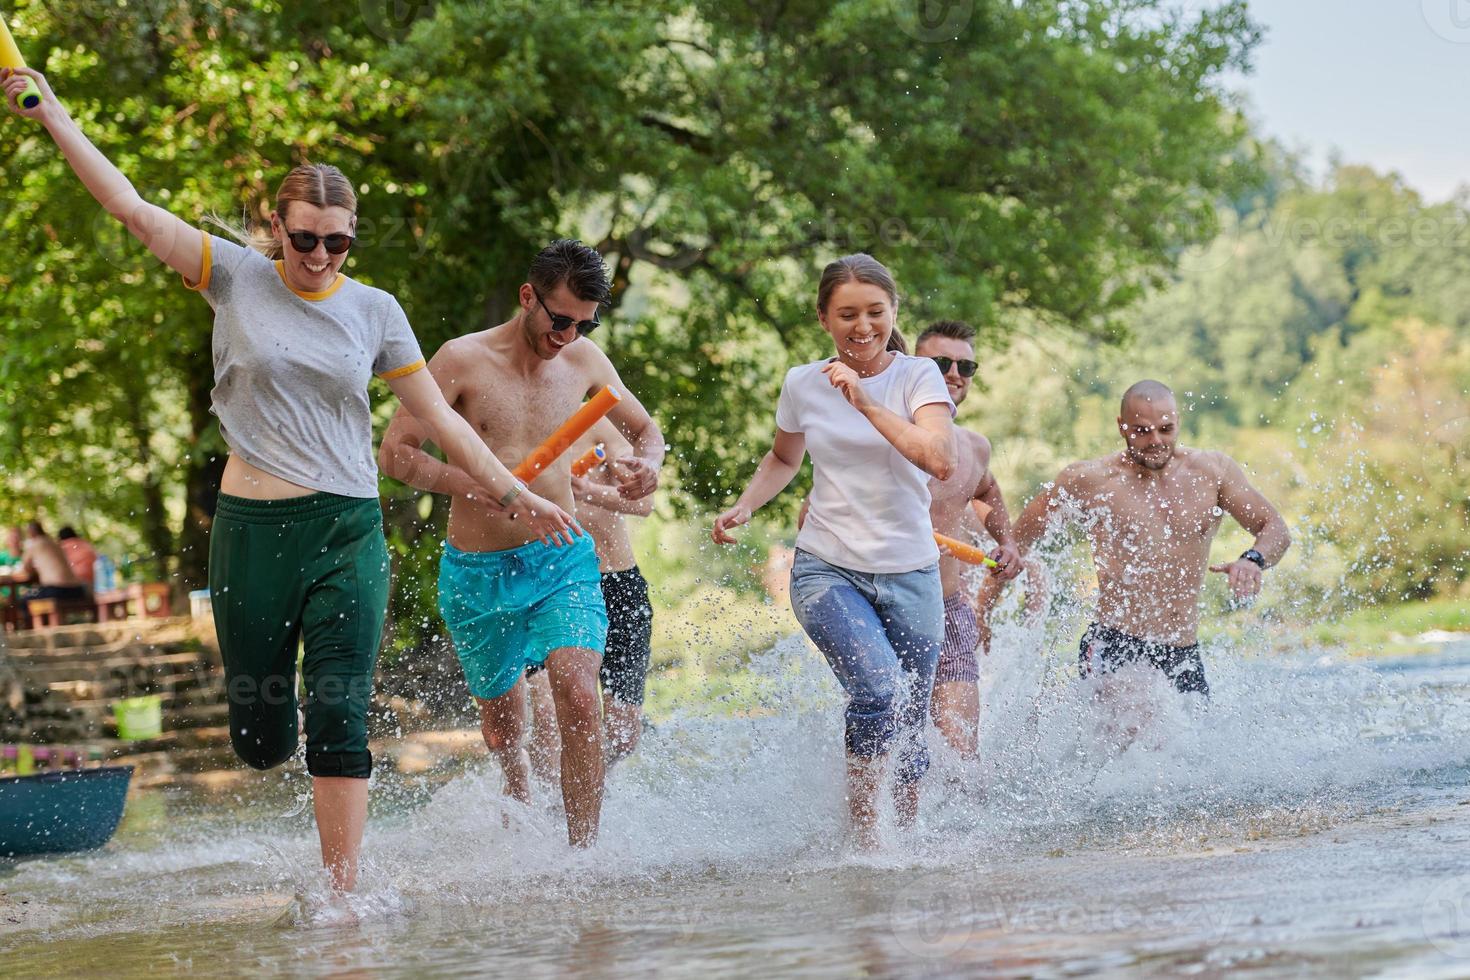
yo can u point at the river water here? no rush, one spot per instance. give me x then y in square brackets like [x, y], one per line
[1312, 818]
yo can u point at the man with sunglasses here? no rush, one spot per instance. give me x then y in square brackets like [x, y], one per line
[950, 344]
[511, 602]
[1151, 513]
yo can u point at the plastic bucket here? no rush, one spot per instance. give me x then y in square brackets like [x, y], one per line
[139, 718]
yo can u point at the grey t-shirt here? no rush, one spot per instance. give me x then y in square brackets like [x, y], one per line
[291, 370]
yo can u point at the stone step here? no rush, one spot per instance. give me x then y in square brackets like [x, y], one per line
[99, 713]
[174, 629]
[80, 691]
[134, 652]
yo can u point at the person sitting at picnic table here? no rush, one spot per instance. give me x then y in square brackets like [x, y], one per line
[14, 547]
[44, 562]
[80, 555]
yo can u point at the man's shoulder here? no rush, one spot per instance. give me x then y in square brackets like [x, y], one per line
[1210, 462]
[586, 355]
[1086, 472]
[590, 367]
[971, 445]
[972, 440]
[466, 349]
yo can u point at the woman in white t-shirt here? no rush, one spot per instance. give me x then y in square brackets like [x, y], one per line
[297, 549]
[865, 582]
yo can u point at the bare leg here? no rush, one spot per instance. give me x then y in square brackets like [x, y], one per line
[1125, 709]
[622, 725]
[906, 802]
[503, 723]
[545, 738]
[574, 687]
[863, 774]
[341, 811]
[957, 715]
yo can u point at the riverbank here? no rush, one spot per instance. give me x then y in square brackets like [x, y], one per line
[1415, 625]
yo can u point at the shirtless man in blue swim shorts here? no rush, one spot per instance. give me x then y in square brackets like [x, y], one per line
[512, 600]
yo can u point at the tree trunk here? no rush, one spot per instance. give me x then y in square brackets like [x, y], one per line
[156, 535]
[204, 468]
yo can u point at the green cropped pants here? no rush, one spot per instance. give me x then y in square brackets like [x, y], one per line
[306, 570]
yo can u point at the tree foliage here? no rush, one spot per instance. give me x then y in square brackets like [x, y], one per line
[1322, 337]
[1031, 163]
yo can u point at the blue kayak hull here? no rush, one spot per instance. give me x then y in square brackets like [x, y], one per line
[60, 811]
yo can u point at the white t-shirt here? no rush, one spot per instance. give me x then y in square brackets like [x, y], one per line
[869, 506]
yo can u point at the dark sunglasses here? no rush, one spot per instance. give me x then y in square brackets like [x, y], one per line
[305, 242]
[560, 323]
[967, 368]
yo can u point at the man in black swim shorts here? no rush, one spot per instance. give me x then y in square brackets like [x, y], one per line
[1151, 513]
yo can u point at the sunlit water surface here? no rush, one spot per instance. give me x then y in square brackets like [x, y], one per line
[1313, 817]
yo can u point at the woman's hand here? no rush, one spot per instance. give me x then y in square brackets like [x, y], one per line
[14, 81]
[846, 380]
[734, 517]
[543, 518]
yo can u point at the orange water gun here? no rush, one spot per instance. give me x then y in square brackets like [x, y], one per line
[569, 432]
[965, 552]
[589, 461]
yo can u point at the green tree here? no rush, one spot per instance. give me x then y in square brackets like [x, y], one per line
[1038, 163]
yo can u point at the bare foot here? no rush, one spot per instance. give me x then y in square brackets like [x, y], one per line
[865, 839]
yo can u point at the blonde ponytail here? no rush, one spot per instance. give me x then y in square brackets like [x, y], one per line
[248, 233]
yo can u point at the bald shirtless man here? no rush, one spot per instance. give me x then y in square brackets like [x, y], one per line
[956, 680]
[1151, 513]
[509, 600]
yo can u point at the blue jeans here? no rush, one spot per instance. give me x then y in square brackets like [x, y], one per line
[881, 634]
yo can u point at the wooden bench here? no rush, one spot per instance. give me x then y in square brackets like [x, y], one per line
[154, 601]
[56, 612]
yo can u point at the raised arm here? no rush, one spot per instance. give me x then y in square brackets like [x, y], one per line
[177, 243]
[774, 474]
[1031, 526]
[1028, 529]
[1256, 514]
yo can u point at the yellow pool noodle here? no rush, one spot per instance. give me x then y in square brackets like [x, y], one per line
[10, 57]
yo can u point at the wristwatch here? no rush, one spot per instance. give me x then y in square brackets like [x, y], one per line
[1255, 556]
[512, 493]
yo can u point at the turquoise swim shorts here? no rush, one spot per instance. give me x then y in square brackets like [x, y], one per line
[507, 610]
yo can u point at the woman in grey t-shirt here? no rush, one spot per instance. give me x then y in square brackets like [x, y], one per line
[297, 550]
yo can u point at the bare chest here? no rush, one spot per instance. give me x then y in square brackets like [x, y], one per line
[1181, 514]
[515, 414]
